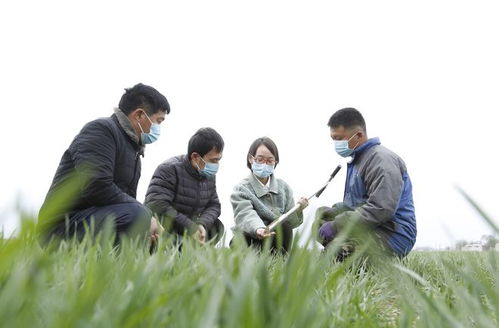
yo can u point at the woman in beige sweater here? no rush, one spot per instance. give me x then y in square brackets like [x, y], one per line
[261, 198]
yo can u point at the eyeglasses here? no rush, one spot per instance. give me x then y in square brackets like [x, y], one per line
[262, 160]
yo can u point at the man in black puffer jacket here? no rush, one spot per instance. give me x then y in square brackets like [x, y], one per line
[96, 181]
[183, 192]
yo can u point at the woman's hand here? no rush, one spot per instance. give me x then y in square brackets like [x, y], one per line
[303, 203]
[262, 233]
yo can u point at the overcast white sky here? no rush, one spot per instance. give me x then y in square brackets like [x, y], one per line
[425, 74]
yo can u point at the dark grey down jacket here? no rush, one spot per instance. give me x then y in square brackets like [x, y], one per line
[102, 164]
[182, 196]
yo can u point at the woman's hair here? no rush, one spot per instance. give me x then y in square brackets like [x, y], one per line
[267, 142]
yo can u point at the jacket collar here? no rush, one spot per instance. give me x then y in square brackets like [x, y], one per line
[125, 124]
[190, 169]
[259, 189]
[371, 142]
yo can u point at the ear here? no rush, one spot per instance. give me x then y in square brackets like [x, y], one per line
[194, 156]
[137, 113]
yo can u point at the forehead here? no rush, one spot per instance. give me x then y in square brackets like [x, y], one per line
[262, 150]
[159, 115]
[338, 132]
[213, 154]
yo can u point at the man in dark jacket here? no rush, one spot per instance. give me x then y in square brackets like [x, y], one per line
[96, 181]
[378, 189]
[183, 192]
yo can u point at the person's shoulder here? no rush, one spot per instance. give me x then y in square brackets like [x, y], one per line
[101, 121]
[243, 185]
[381, 154]
[175, 160]
[244, 182]
[100, 124]
[99, 130]
[172, 162]
[283, 186]
[281, 183]
[168, 168]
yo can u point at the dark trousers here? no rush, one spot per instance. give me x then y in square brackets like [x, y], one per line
[131, 219]
[280, 242]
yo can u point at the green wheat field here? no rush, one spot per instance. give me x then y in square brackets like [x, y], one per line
[94, 284]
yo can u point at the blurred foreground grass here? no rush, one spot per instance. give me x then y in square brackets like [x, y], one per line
[93, 284]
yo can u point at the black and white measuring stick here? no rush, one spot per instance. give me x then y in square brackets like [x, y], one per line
[283, 217]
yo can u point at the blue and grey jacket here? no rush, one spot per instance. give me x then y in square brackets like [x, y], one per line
[380, 189]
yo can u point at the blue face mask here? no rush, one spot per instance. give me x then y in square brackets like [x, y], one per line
[209, 170]
[341, 147]
[153, 135]
[262, 170]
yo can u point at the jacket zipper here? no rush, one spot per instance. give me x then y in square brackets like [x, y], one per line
[137, 154]
[196, 208]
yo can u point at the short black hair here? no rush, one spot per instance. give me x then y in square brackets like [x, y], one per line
[143, 96]
[348, 118]
[267, 142]
[203, 141]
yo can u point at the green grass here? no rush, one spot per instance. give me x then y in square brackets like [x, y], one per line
[93, 284]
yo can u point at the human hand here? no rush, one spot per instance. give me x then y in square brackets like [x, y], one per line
[155, 230]
[262, 233]
[303, 203]
[200, 234]
[349, 218]
[327, 232]
[326, 213]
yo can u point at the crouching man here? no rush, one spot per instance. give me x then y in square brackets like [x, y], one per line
[377, 201]
[183, 192]
[95, 184]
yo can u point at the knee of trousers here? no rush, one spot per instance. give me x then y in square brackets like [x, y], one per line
[135, 215]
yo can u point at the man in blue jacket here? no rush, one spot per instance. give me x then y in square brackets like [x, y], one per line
[378, 190]
[96, 181]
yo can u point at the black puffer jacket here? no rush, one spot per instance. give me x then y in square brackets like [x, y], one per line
[182, 196]
[103, 166]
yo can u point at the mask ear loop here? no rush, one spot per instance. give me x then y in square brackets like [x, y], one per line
[138, 122]
[148, 118]
[357, 141]
[356, 145]
[140, 126]
[199, 169]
